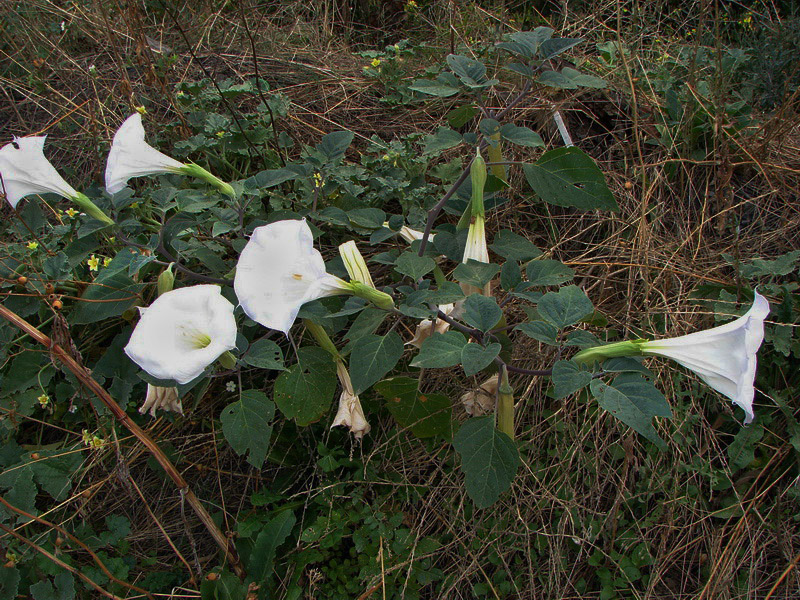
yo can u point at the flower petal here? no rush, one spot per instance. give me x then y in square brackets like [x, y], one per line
[25, 171]
[130, 156]
[183, 332]
[278, 271]
[725, 356]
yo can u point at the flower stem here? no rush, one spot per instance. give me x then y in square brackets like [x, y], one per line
[90, 208]
[505, 405]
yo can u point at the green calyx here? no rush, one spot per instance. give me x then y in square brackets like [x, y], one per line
[477, 174]
[195, 170]
[370, 294]
[600, 353]
[322, 338]
[227, 360]
[90, 208]
[166, 280]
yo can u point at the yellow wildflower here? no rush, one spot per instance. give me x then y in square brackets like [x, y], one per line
[94, 263]
[106, 261]
[71, 212]
[44, 400]
[318, 180]
[376, 62]
[33, 245]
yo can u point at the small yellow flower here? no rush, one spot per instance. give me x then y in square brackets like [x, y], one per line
[106, 261]
[140, 109]
[44, 400]
[134, 205]
[318, 180]
[71, 212]
[376, 62]
[220, 134]
[94, 263]
[33, 245]
[97, 442]
[86, 437]
[411, 5]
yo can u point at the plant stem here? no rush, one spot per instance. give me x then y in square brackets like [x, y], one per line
[86, 379]
[505, 404]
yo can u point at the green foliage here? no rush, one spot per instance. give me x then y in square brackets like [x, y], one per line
[247, 425]
[489, 460]
[371, 357]
[305, 391]
[427, 415]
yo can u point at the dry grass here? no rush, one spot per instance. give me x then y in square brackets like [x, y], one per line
[587, 488]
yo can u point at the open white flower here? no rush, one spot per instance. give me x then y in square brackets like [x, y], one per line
[724, 357]
[164, 398]
[26, 171]
[182, 332]
[278, 271]
[130, 156]
[350, 414]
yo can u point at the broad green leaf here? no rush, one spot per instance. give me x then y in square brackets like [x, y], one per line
[264, 354]
[570, 79]
[626, 364]
[335, 144]
[443, 139]
[458, 117]
[510, 275]
[555, 46]
[372, 357]
[367, 321]
[546, 271]
[634, 401]
[434, 88]
[426, 415]
[367, 218]
[540, 330]
[514, 247]
[413, 265]
[568, 378]
[269, 178]
[440, 350]
[64, 588]
[305, 392]
[9, 582]
[489, 460]
[262, 558]
[472, 73]
[742, 450]
[247, 425]
[226, 586]
[569, 177]
[489, 127]
[476, 273]
[759, 267]
[475, 357]
[522, 136]
[108, 299]
[481, 312]
[565, 307]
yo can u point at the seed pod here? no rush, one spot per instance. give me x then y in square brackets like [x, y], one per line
[48, 288]
[212, 576]
[22, 280]
[57, 305]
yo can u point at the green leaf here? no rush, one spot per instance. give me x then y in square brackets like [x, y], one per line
[475, 357]
[440, 350]
[367, 321]
[569, 177]
[476, 273]
[247, 425]
[458, 117]
[9, 582]
[555, 46]
[269, 178]
[626, 364]
[481, 312]
[434, 88]
[63, 590]
[514, 247]
[742, 450]
[226, 587]
[521, 136]
[108, 299]
[472, 73]
[565, 307]
[372, 357]
[262, 558]
[367, 218]
[264, 354]
[634, 401]
[510, 275]
[334, 145]
[416, 267]
[568, 378]
[443, 139]
[570, 79]
[305, 392]
[426, 415]
[489, 460]
[546, 271]
[759, 267]
[489, 127]
[541, 331]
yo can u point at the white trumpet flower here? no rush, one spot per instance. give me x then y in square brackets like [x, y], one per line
[25, 171]
[426, 327]
[278, 271]
[476, 248]
[408, 234]
[723, 357]
[182, 332]
[130, 156]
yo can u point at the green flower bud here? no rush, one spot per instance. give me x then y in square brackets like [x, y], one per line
[166, 280]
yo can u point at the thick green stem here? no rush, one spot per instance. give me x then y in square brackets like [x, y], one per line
[601, 353]
[197, 171]
[91, 209]
[322, 337]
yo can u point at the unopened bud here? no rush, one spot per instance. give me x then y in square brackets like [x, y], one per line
[166, 280]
